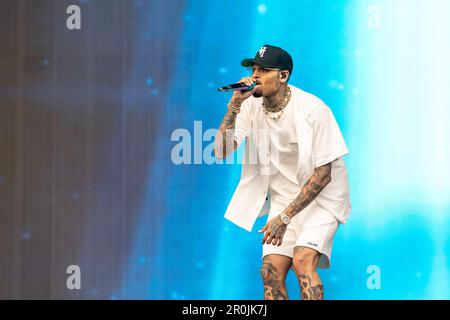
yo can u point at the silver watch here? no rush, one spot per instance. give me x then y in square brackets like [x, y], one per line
[285, 218]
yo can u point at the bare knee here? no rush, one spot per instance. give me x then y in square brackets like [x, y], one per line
[269, 272]
[274, 269]
[273, 278]
[305, 260]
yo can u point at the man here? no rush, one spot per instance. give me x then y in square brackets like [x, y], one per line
[299, 173]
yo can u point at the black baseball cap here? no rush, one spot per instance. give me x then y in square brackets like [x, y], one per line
[271, 57]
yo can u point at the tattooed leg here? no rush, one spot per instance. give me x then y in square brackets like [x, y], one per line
[309, 290]
[273, 272]
[305, 264]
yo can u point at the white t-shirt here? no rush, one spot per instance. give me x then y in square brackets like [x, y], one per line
[283, 183]
[282, 159]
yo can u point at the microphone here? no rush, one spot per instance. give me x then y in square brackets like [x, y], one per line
[240, 86]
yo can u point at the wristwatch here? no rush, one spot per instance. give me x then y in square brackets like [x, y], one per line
[285, 218]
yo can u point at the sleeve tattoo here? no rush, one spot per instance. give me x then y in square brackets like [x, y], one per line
[224, 142]
[319, 180]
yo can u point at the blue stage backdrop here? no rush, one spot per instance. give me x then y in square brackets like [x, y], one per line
[383, 68]
[153, 228]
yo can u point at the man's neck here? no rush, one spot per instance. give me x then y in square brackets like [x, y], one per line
[275, 100]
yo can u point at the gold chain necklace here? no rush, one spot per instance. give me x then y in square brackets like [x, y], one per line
[269, 111]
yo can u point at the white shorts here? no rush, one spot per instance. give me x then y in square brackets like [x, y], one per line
[313, 227]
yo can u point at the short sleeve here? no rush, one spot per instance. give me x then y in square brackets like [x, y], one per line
[328, 142]
[242, 126]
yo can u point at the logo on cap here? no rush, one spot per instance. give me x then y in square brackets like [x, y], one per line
[262, 51]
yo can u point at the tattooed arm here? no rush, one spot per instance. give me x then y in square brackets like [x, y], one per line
[224, 143]
[274, 229]
[318, 181]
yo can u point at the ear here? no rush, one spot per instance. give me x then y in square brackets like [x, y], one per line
[284, 75]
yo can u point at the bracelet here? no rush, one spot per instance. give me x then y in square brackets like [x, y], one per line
[233, 108]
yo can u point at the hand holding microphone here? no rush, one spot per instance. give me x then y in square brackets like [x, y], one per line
[242, 89]
[239, 86]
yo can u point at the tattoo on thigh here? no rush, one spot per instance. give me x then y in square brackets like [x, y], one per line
[272, 284]
[310, 292]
